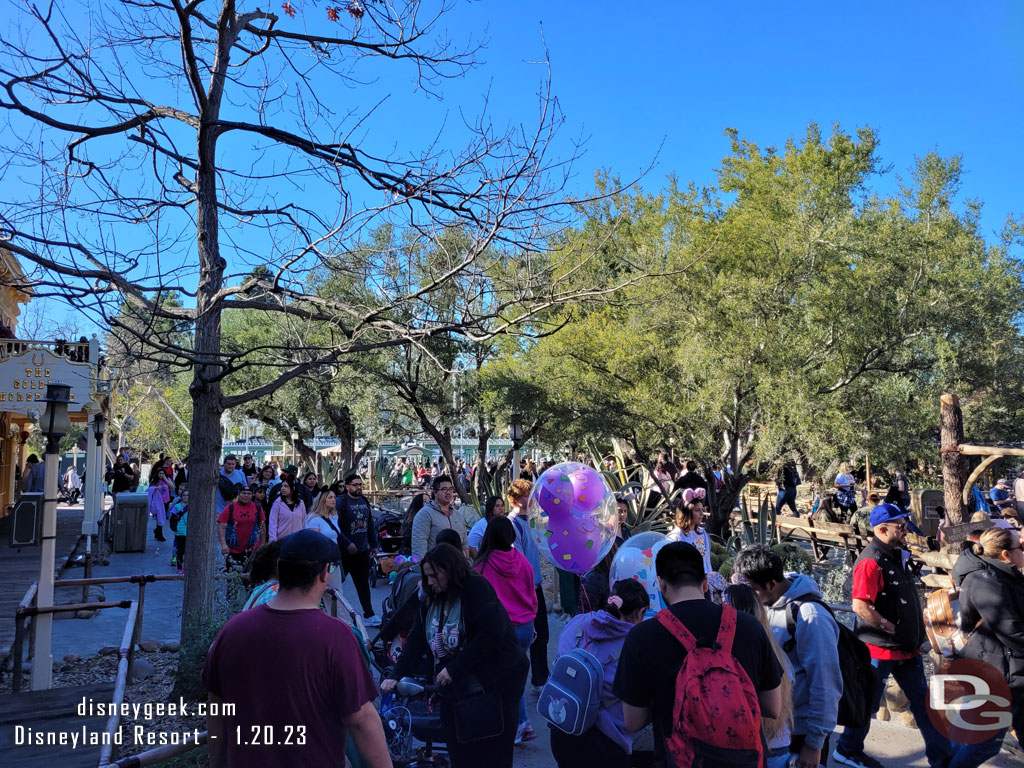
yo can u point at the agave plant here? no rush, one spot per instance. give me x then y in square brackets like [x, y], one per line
[763, 530]
[380, 475]
[484, 486]
[647, 511]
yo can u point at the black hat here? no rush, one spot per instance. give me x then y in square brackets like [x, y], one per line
[308, 546]
[291, 469]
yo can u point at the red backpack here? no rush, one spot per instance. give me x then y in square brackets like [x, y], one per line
[716, 715]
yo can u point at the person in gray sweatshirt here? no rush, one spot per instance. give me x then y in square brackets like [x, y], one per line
[814, 656]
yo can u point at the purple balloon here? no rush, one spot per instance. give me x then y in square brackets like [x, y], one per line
[573, 516]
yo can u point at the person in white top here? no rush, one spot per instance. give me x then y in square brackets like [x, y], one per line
[495, 507]
[73, 483]
[846, 491]
[324, 518]
[689, 515]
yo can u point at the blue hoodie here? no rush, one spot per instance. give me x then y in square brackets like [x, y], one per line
[526, 545]
[817, 679]
[602, 634]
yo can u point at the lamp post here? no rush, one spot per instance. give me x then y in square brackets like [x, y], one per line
[93, 490]
[54, 424]
[295, 447]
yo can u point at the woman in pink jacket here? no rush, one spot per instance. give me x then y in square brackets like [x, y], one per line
[511, 575]
[288, 514]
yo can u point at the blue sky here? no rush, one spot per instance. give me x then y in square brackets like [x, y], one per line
[943, 76]
[633, 78]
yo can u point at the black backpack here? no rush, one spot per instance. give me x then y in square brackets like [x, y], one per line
[227, 488]
[858, 699]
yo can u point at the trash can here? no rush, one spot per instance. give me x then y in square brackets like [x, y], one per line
[131, 522]
[924, 504]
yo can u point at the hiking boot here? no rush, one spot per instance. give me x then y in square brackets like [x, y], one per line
[855, 759]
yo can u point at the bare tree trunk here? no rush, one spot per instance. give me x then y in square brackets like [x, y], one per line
[482, 476]
[197, 608]
[954, 469]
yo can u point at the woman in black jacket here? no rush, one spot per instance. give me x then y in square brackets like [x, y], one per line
[466, 632]
[992, 611]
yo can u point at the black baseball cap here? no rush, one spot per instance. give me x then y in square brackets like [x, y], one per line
[309, 546]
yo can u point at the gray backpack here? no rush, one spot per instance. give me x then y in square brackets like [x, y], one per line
[571, 698]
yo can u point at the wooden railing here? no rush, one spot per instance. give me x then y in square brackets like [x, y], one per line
[125, 656]
[74, 351]
[27, 610]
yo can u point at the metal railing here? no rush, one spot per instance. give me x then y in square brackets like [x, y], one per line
[27, 610]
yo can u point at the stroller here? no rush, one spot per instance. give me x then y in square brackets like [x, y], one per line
[389, 540]
[398, 610]
[411, 719]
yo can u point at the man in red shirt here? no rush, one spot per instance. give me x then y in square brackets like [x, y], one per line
[295, 676]
[890, 622]
[246, 519]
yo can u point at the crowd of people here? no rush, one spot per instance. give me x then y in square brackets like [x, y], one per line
[758, 672]
[473, 619]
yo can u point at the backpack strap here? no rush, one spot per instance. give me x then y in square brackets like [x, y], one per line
[668, 620]
[793, 615]
[727, 628]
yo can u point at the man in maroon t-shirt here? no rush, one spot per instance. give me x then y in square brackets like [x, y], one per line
[295, 676]
[248, 520]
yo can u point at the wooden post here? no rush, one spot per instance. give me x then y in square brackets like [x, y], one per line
[867, 470]
[954, 470]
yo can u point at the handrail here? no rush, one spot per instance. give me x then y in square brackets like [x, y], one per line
[18, 647]
[157, 754]
[73, 351]
[124, 654]
[138, 579]
[36, 610]
[30, 596]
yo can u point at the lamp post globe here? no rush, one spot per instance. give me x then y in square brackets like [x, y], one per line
[99, 425]
[55, 421]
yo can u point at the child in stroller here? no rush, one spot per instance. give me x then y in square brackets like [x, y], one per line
[389, 540]
[399, 607]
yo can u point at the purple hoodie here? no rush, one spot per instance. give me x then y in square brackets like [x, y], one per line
[602, 634]
[511, 575]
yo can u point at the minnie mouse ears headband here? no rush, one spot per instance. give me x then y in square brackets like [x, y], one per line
[694, 494]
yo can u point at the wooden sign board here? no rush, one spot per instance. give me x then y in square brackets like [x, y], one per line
[23, 380]
[957, 534]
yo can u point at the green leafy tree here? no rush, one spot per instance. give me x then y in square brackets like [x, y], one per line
[800, 313]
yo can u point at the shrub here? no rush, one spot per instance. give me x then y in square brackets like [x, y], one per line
[795, 559]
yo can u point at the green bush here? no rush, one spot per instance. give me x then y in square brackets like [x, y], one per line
[719, 554]
[725, 569]
[795, 558]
